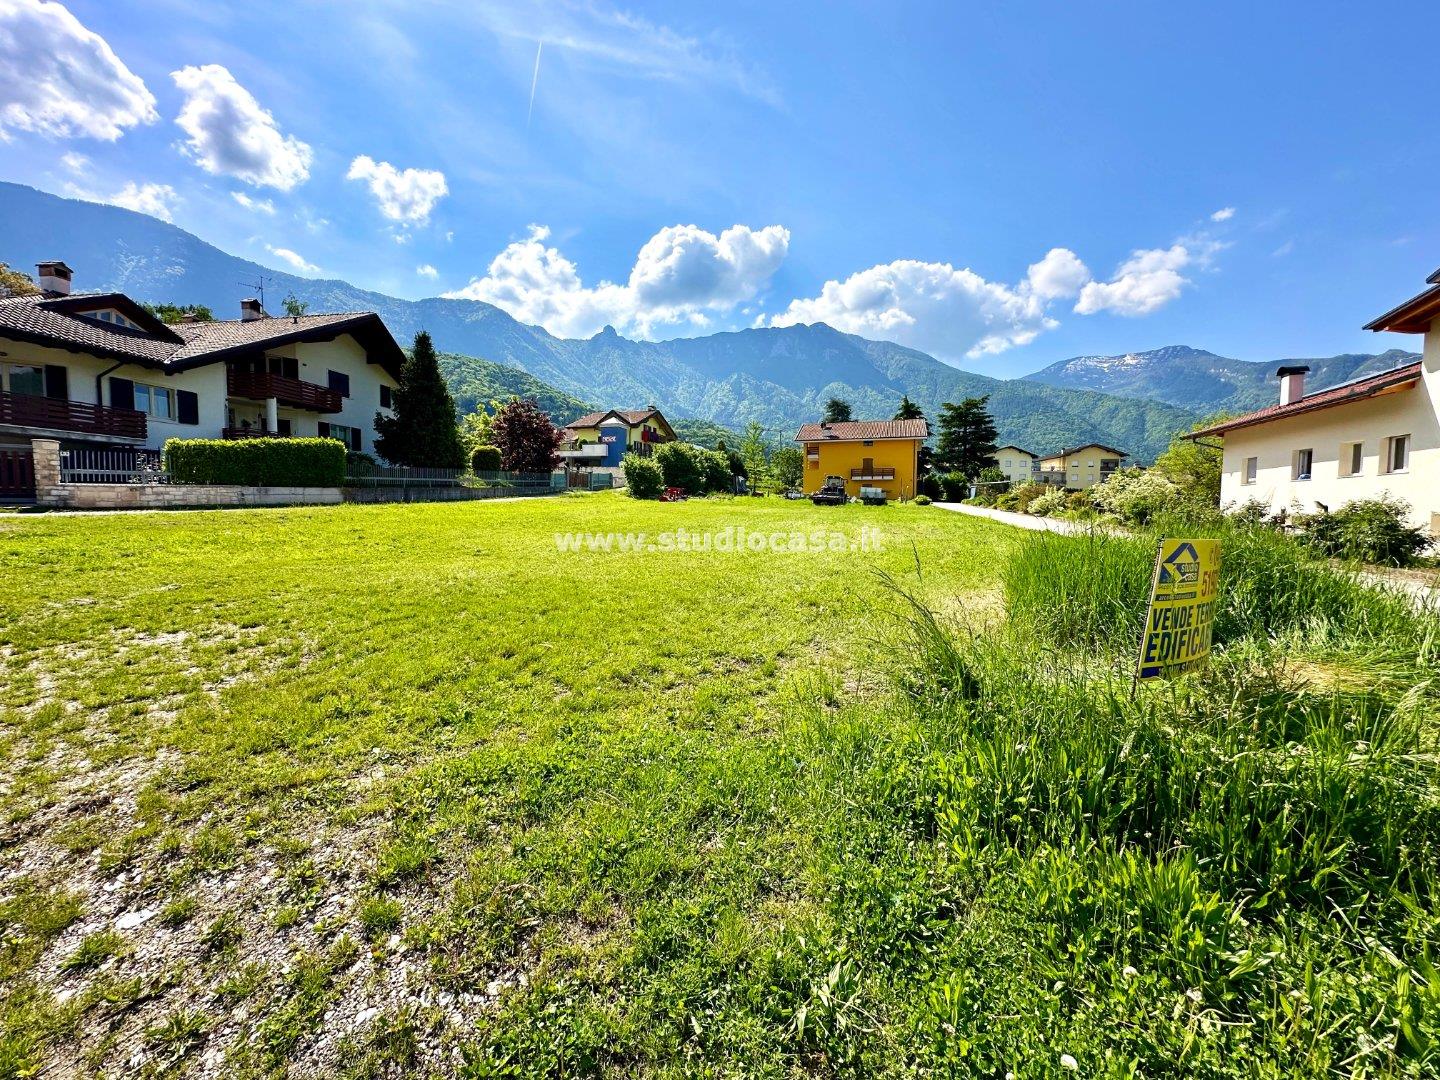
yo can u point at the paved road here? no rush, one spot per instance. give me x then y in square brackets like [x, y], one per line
[1020, 521]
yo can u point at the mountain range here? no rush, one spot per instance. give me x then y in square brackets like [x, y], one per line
[780, 377]
[1204, 382]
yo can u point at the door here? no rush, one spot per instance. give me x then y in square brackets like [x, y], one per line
[17, 474]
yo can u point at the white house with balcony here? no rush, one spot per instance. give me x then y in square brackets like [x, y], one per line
[1320, 449]
[97, 369]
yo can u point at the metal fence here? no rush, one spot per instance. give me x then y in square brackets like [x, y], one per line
[363, 474]
[121, 465]
[519, 483]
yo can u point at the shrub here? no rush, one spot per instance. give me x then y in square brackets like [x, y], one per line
[644, 478]
[485, 459]
[1052, 502]
[693, 469]
[954, 485]
[1137, 496]
[1020, 498]
[923, 500]
[257, 462]
[1371, 530]
[930, 486]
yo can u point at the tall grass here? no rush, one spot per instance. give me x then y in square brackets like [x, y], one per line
[1092, 590]
[1231, 874]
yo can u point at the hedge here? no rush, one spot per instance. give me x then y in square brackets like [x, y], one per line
[485, 459]
[256, 462]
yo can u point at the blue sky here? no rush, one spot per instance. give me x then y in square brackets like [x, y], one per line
[1002, 185]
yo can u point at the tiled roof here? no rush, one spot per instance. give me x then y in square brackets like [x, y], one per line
[201, 337]
[857, 430]
[29, 318]
[1066, 451]
[1323, 399]
[630, 416]
[39, 320]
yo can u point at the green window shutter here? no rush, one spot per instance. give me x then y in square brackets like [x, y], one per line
[187, 407]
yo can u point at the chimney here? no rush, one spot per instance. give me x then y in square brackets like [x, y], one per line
[250, 310]
[54, 278]
[1292, 384]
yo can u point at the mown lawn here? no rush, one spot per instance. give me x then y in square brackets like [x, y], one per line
[389, 790]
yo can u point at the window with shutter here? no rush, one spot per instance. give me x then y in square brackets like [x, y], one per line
[340, 383]
[355, 439]
[324, 430]
[385, 398]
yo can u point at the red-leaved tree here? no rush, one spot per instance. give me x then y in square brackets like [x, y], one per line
[526, 437]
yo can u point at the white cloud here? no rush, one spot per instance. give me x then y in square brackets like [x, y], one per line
[229, 134]
[942, 310]
[403, 195]
[425, 270]
[1223, 214]
[1059, 274]
[294, 258]
[58, 78]
[157, 200]
[74, 162]
[680, 274]
[1143, 283]
[262, 206]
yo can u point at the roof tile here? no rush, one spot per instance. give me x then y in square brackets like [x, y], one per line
[858, 430]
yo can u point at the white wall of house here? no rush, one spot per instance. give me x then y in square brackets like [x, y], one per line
[316, 359]
[1330, 433]
[1016, 464]
[208, 384]
[344, 354]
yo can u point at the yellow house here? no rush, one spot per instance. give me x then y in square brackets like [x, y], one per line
[882, 454]
[1081, 466]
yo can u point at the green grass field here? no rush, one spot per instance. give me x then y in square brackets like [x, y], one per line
[415, 759]
[394, 791]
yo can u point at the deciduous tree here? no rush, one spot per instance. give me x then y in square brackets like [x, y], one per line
[526, 436]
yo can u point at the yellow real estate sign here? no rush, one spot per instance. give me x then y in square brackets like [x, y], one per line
[1182, 607]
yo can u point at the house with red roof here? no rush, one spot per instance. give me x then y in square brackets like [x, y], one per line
[600, 440]
[1320, 449]
[879, 455]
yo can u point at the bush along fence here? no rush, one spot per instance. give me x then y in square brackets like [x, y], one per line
[264, 472]
[135, 478]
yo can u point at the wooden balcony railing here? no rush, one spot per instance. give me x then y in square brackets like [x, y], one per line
[872, 474]
[58, 414]
[297, 393]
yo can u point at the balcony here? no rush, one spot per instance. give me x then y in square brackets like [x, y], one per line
[58, 414]
[872, 473]
[296, 393]
[590, 451]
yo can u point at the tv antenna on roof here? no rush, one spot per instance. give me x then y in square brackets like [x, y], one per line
[258, 285]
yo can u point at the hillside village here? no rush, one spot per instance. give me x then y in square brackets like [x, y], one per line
[558, 540]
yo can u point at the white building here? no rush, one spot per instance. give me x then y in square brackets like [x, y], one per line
[1323, 449]
[1018, 464]
[97, 369]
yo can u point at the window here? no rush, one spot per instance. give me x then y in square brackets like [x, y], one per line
[287, 366]
[156, 401]
[385, 398]
[1352, 459]
[1252, 470]
[1007, 463]
[1397, 453]
[350, 436]
[869, 442]
[22, 379]
[1304, 461]
[110, 317]
[340, 383]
